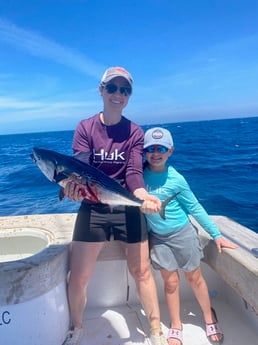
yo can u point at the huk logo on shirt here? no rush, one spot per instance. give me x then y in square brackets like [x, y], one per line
[157, 189]
[102, 155]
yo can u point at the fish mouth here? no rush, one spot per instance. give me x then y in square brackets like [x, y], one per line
[46, 166]
[32, 156]
[35, 156]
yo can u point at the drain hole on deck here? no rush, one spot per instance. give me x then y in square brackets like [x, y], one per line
[17, 244]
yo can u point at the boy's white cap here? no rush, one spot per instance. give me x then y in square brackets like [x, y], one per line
[158, 136]
[114, 72]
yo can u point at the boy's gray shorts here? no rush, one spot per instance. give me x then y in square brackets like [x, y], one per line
[177, 250]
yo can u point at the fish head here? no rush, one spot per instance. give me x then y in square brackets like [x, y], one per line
[46, 162]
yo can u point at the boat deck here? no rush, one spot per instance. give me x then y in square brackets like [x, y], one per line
[113, 315]
[126, 324]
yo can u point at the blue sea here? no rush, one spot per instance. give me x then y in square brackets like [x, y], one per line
[218, 158]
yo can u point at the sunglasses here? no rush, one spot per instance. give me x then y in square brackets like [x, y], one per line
[124, 90]
[159, 149]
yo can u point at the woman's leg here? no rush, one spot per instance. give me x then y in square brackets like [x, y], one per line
[82, 260]
[140, 269]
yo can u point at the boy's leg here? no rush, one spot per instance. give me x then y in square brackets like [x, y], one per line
[171, 288]
[200, 289]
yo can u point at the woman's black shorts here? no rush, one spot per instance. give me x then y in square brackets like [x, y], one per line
[98, 222]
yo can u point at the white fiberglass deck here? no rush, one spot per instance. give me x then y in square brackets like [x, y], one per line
[127, 324]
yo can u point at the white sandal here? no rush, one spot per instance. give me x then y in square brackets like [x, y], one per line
[73, 336]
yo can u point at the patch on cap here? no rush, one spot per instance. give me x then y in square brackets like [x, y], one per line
[157, 134]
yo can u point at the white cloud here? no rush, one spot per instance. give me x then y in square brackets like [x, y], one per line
[13, 108]
[37, 45]
[12, 103]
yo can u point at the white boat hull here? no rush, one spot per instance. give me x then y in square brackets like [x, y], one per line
[33, 303]
[42, 320]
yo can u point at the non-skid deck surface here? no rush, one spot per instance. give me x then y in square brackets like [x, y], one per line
[115, 326]
[127, 325]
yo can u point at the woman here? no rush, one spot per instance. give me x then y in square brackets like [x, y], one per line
[113, 144]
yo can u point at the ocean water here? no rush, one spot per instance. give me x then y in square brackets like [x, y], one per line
[218, 158]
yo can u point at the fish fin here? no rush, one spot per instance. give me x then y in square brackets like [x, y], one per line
[61, 194]
[59, 176]
[164, 204]
[83, 157]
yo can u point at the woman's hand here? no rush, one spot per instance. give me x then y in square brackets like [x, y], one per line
[77, 189]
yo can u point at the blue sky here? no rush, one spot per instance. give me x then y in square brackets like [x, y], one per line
[190, 59]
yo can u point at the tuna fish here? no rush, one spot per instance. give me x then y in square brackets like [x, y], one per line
[94, 184]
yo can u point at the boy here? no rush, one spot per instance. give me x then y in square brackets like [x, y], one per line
[174, 242]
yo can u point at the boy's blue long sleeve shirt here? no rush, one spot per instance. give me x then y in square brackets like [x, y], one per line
[165, 184]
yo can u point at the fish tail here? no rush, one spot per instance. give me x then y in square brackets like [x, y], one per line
[162, 212]
[164, 204]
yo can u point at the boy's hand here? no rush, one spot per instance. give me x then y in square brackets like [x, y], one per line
[223, 243]
[151, 203]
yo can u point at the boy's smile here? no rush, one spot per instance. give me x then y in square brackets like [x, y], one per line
[157, 157]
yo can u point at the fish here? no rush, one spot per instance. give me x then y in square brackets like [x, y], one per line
[94, 184]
